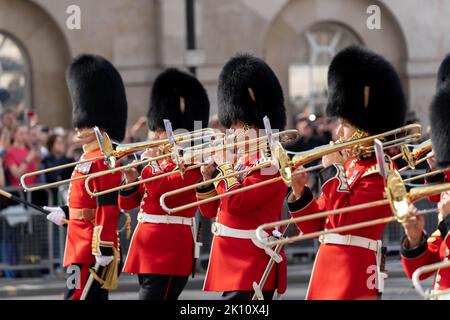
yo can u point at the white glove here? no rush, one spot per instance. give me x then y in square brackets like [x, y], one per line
[104, 260]
[56, 215]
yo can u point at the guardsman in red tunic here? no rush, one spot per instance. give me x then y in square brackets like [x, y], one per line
[417, 248]
[98, 99]
[443, 79]
[164, 247]
[248, 90]
[366, 94]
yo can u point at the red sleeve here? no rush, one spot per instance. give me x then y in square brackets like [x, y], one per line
[107, 212]
[426, 253]
[169, 182]
[208, 209]
[243, 202]
[304, 206]
[131, 198]
[335, 195]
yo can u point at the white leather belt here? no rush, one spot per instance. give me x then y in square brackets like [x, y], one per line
[221, 230]
[349, 240]
[362, 242]
[165, 219]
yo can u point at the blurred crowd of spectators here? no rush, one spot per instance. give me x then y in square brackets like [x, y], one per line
[26, 145]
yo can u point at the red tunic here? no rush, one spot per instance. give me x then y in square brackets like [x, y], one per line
[80, 232]
[435, 249]
[234, 264]
[161, 248]
[341, 271]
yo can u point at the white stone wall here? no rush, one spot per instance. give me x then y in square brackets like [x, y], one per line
[142, 37]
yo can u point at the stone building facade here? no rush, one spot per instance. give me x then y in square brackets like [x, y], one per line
[142, 37]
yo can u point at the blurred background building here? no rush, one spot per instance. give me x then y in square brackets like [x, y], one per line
[141, 37]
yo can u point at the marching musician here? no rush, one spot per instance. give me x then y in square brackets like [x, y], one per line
[442, 81]
[248, 90]
[164, 247]
[417, 248]
[98, 99]
[365, 92]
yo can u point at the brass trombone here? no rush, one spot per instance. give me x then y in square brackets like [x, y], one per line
[188, 159]
[427, 294]
[397, 197]
[427, 174]
[110, 155]
[412, 156]
[286, 165]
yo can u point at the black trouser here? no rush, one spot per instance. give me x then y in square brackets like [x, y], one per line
[161, 287]
[95, 291]
[246, 295]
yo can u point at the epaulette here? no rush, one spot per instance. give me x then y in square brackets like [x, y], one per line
[373, 169]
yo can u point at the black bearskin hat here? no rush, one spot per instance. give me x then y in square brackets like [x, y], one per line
[364, 89]
[180, 98]
[440, 126]
[98, 95]
[443, 72]
[249, 90]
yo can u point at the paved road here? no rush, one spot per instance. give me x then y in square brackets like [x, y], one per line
[396, 289]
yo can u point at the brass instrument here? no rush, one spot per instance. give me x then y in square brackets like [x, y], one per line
[412, 156]
[396, 196]
[187, 159]
[427, 174]
[110, 155]
[286, 165]
[426, 294]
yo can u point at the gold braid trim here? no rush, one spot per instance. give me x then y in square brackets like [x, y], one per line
[224, 170]
[206, 195]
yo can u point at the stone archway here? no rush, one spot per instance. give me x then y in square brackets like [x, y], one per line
[295, 17]
[48, 53]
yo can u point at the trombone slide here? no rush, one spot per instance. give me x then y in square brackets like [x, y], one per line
[426, 294]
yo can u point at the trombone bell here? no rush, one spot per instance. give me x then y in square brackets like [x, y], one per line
[397, 195]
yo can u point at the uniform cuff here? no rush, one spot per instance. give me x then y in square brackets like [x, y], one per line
[109, 199]
[100, 247]
[414, 252]
[206, 191]
[301, 202]
[66, 211]
[444, 227]
[128, 192]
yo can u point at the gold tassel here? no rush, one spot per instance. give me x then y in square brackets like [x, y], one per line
[110, 275]
[127, 225]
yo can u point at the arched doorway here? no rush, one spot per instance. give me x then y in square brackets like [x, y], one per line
[15, 74]
[306, 34]
[44, 53]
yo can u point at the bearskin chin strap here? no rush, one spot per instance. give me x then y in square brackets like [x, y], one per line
[110, 274]
[358, 151]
